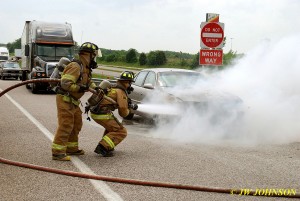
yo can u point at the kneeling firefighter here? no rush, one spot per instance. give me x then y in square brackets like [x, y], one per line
[75, 81]
[102, 113]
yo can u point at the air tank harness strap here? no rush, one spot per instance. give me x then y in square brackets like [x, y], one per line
[107, 116]
[102, 116]
[67, 98]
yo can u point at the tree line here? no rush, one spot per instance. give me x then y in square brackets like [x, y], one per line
[159, 58]
[14, 45]
[155, 58]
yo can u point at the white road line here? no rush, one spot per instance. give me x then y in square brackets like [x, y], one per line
[100, 186]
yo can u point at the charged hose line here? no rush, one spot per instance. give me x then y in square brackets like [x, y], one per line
[50, 80]
[27, 82]
[137, 182]
[124, 180]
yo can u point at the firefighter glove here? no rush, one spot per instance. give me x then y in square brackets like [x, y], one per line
[129, 101]
[133, 106]
[83, 88]
[130, 89]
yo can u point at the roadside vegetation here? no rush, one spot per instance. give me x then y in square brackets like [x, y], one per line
[158, 59]
[133, 59]
[100, 76]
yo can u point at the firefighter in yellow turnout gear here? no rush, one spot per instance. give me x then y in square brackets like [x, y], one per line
[114, 132]
[75, 80]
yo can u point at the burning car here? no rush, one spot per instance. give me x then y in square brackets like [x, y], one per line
[175, 91]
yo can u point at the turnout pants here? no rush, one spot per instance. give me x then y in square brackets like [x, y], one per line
[69, 125]
[113, 134]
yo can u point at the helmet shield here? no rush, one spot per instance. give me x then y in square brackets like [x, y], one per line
[97, 54]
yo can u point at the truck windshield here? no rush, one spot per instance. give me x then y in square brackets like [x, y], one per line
[54, 52]
[11, 65]
[4, 58]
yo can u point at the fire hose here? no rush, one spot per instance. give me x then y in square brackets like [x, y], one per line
[49, 80]
[124, 180]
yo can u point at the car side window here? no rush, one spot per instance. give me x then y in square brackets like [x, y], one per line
[140, 77]
[150, 79]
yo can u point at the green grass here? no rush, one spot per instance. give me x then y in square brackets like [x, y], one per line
[171, 63]
[96, 75]
[113, 70]
[120, 64]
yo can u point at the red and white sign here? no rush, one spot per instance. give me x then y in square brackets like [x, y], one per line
[212, 35]
[212, 17]
[211, 57]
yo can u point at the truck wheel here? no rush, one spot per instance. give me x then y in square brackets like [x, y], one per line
[34, 88]
[24, 76]
[2, 77]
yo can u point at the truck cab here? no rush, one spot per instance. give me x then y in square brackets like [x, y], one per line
[43, 44]
[4, 54]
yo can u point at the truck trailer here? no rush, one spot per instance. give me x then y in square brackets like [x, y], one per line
[42, 46]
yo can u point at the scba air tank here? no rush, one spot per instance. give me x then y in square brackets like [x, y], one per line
[60, 66]
[104, 86]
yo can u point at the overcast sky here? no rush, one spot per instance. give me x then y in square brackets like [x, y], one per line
[147, 25]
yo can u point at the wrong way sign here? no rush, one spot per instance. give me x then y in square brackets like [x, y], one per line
[212, 35]
[211, 57]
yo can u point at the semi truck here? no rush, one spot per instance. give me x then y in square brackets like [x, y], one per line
[42, 46]
[4, 54]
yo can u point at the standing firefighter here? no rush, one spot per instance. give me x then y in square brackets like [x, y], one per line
[75, 81]
[102, 114]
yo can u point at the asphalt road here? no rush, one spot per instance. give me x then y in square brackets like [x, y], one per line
[27, 125]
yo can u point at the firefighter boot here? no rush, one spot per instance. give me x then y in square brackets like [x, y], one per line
[61, 157]
[78, 152]
[100, 149]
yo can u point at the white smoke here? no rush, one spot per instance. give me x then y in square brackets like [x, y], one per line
[267, 80]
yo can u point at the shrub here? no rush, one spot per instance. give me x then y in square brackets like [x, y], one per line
[142, 59]
[131, 56]
[156, 58]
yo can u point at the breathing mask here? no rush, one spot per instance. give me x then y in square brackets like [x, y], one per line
[94, 56]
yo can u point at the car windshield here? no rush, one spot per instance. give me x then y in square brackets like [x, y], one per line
[174, 79]
[11, 65]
